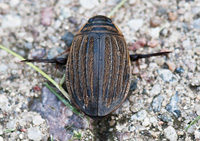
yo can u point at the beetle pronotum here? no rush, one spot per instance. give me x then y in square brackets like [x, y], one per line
[98, 67]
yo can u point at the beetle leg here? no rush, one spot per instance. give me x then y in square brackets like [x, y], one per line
[60, 61]
[136, 57]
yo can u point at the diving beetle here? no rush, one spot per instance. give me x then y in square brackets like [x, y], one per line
[98, 67]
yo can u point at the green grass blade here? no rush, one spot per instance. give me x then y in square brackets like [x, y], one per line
[192, 123]
[64, 101]
[38, 70]
[116, 8]
[9, 130]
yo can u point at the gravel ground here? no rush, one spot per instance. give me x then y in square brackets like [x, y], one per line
[161, 103]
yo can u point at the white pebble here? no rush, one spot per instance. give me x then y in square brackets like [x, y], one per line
[3, 68]
[89, 4]
[135, 24]
[170, 133]
[37, 120]
[34, 133]
[155, 90]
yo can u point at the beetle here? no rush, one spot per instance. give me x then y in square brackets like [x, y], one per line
[98, 67]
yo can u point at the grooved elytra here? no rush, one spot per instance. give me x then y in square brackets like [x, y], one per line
[98, 68]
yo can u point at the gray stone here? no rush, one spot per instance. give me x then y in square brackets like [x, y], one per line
[14, 3]
[34, 133]
[135, 24]
[196, 10]
[157, 103]
[170, 133]
[197, 135]
[37, 120]
[67, 38]
[191, 129]
[89, 4]
[113, 2]
[141, 115]
[55, 51]
[11, 21]
[3, 69]
[172, 107]
[155, 90]
[38, 53]
[167, 75]
[11, 124]
[65, 2]
[187, 44]
[196, 23]
[1, 130]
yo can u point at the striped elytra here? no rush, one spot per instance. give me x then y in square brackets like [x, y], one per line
[98, 68]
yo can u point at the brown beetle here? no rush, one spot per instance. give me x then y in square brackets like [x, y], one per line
[98, 67]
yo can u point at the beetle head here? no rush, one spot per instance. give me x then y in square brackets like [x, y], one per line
[100, 19]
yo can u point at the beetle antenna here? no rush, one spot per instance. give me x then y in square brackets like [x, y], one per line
[136, 57]
[60, 61]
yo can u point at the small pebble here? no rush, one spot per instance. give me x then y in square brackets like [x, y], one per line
[167, 75]
[155, 21]
[165, 117]
[1, 130]
[11, 21]
[14, 3]
[172, 107]
[11, 124]
[55, 51]
[197, 50]
[191, 129]
[198, 96]
[132, 2]
[112, 122]
[37, 120]
[160, 61]
[89, 4]
[133, 85]
[171, 66]
[155, 90]
[112, 2]
[3, 69]
[65, 2]
[196, 23]
[141, 115]
[146, 122]
[135, 71]
[161, 11]
[170, 133]
[157, 103]
[38, 53]
[187, 44]
[164, 32]
[155, 32]
[179, 70]
[138, 44]
[46, 16]
[67, 38]
[34, 133]
[21, 136]
[197, 135]
[153, 43]
[135, 24]
[172, 16]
